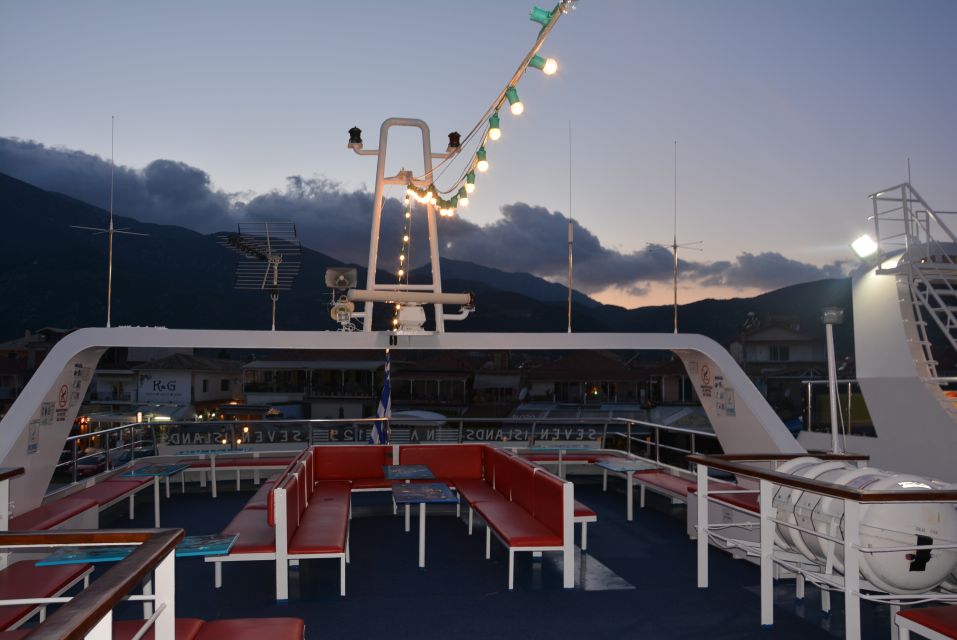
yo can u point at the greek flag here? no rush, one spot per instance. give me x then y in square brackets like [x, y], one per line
[380, 431]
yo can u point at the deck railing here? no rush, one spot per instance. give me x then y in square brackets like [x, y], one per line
[89, 614]
[762, 469]
[117, 446]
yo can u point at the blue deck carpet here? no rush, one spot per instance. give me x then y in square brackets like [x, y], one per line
[639, 580]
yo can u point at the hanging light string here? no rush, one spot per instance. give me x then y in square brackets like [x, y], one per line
[488, 123]
[402, 272]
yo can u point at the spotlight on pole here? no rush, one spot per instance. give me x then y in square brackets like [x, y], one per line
[355, 138]
[455, 141]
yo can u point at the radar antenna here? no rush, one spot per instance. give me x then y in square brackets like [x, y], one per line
[271, 251]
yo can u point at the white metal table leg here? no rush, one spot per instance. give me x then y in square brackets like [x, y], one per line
[421, 535]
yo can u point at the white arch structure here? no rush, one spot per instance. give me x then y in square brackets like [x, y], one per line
[33, 432]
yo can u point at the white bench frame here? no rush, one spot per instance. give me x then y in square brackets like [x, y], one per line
[41, 607]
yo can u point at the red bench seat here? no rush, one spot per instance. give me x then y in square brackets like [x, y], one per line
[670, 484]
[110, 491]
[323, 526]
[253, 629]
[940, 619]
[260, 499]
[25, 580]
[186, 629]
[474, 491]
[744, 501]
[447, 462]
[516, 526]
[195, 629]
[51, 514]
[255, 534]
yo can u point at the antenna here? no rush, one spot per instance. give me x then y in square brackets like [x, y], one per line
[267, 247]
[110, 230]
[570, 227]
[674, 242]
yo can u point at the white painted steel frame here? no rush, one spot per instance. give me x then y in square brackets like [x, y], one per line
[380, 181]
[753, 425]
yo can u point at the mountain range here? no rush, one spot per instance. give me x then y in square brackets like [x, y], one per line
[55, 275]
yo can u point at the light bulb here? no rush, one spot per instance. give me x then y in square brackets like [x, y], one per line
[401, 257]
[494, 132]
[408, 214]
[470, 182]
[548, 66]
[401, 272]
[482, 164]
[515, 103]
[405, 238]
[463, 197]
[434, 201]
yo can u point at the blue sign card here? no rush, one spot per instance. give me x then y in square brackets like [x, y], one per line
[211, 545]
[435, 492]
[407, 472]
[623, 465]
[157, 470]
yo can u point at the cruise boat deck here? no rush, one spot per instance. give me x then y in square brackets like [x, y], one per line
[636, 579]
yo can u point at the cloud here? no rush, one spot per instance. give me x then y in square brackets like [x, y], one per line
[768, 270]
[335, 221]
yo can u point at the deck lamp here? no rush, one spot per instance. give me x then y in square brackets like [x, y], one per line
[482, 164]
[463, 197]
[548, 66]
[514, 103]
[355, 138]
[541, 16]
[494, 132]
[470, 182]
[864, 246]
[455, 141]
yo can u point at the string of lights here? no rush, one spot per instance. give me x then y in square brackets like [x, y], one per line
[404, 256]
[489, 124]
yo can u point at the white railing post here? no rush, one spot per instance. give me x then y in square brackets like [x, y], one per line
[702, 541]
[852, 579]
[767, 554]
[104, 629]
[165, 589]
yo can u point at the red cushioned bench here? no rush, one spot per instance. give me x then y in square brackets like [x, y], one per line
[934, 623]
[302, 520]
[529, 510]
[58, 514]
[359, 464]
[113, 491]
[678, 488]
[22, 580]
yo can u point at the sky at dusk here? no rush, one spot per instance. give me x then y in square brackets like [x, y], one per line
[787, 115]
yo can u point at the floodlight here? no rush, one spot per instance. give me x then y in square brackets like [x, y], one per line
[864, 246]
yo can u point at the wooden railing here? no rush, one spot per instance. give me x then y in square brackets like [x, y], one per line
[89, 614]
